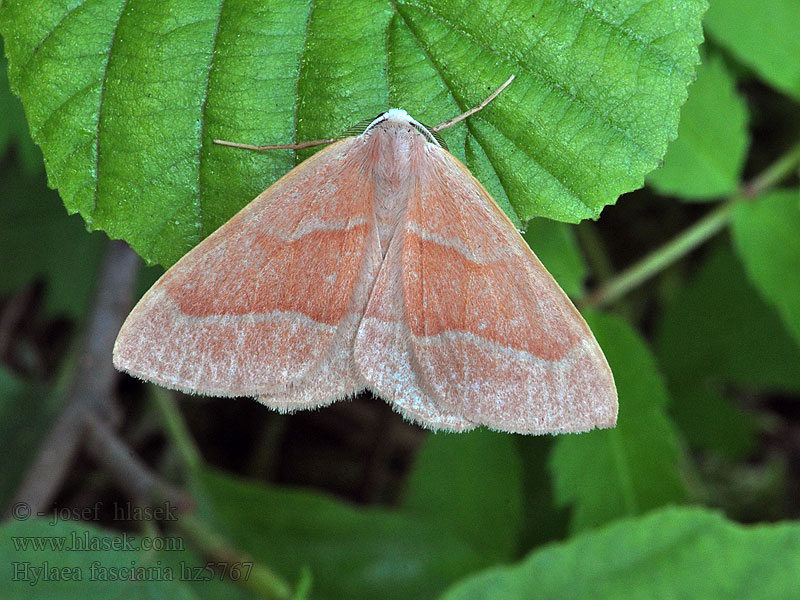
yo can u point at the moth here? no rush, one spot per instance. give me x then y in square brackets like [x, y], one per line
[379, 263]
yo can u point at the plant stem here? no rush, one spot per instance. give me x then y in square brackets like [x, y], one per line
[692, 237]
[594, 250]
[773, 174]
[260, 579]
[176, 428]
[658, 260]
[253, 575]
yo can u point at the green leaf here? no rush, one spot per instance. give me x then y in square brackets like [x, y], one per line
[471, 483]
[707, 158]
[29, 549]
[543, 520]
[555, 245]
[634, 467]
[672, 553]
[352, 552]
[192, 569]
[38, 240]
[718, 333]
[14, 127]
[26, 411]
[762, 34]
[126, 98]
[765, 232]
[719, 326]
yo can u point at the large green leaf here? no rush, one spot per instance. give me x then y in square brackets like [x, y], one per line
[718, 333]
[78, 561]
[632, 468]
[766, 235]
[763, 35]
[543, 520]
[472, 483]
[555, 245]
[352, 552]
[707, 158]
[14, 127]
[672, 553]
[126, 97]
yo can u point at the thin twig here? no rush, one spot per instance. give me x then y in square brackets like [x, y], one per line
[96, 374]
[127, 470]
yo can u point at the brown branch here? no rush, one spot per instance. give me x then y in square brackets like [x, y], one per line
[90, 391]
[127, 470]
[88, 417]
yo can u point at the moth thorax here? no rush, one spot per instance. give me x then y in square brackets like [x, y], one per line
[400, 148]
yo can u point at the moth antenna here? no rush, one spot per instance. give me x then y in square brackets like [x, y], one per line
[472, 111]
[312, 143]
[297, 146]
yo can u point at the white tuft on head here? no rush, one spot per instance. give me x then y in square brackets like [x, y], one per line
[398, 114]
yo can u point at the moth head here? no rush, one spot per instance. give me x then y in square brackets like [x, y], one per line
[397, 115]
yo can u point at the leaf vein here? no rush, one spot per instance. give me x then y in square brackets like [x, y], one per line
[548, 81]
[103, 81]
[43, 41]
[203, 107]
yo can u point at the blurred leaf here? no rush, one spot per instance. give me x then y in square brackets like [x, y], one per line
[38, 240]
[766, 232]
[555, 245]
[719, 326]
[191, 568]
[25, 418]
[125, 99]
[718, 331]
[352, 552]
[707, 158]
[92, 568]
[472, 483]
[14, 127]
[543, 520]
[762, 34]
[671, 553]
[632, 468]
